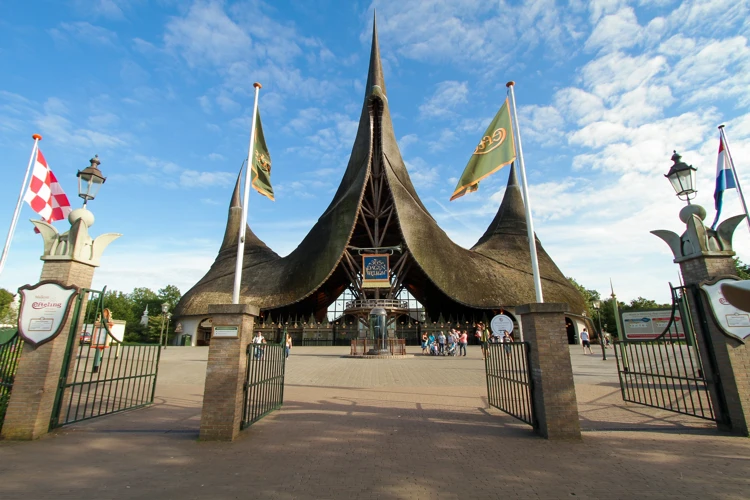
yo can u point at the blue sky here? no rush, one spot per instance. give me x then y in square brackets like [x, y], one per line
[162, 92]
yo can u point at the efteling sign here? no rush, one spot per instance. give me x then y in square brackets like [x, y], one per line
[44, 307]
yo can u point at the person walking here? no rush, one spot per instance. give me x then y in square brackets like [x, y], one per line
[462, 341]
[258, 340]
[424, 343]
[287, 345]
[585, 340]
[441, 343]
[506, 340]
[483, 336]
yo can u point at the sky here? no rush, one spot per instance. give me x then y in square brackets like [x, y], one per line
[162, 91]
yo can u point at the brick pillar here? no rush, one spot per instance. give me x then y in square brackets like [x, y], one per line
[732, 405]
[223, 397]
[38, 374]
[554, 394]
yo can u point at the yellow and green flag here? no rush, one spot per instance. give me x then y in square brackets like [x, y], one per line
[261, 165]
[495, 150]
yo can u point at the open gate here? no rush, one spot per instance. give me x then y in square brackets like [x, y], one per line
[509, 383]
[669, 372]
[264, 381]
[102, 374]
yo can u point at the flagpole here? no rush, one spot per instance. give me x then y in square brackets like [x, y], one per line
[17, 212]
[734, 172]
[245, 201]
[525, 190]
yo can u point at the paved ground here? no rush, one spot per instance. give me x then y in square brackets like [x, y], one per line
[401, 428]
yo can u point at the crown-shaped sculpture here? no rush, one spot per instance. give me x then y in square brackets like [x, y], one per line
[699, 240]
[75, 244]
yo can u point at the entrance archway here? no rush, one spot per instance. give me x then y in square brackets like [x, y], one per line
[571, 330]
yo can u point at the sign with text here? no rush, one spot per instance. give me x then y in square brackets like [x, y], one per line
[43, 310]
[501, 323]
[647, 325]
[375, 271]
[731, 320]
[227, 332]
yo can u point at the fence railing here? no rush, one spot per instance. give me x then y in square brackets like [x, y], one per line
[10, 351]
[509, 383]
[102, 375]
[264, 382]
[664, 374]
[394, 347]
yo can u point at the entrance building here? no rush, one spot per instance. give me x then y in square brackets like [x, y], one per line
[376, 245]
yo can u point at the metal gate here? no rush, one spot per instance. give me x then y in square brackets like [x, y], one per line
[668, 371]
[101, 374]
[264, 381]
[509, 383]
[10, 350]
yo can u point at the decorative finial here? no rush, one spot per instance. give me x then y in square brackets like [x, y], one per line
[95, 161]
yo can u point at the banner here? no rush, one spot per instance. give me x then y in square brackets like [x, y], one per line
[376, 271]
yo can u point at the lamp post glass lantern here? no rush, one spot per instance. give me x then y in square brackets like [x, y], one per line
[164, 314]
[90, 180]
[597, 305]
[682, 177]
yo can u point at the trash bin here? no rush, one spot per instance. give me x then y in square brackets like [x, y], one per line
[187, 340]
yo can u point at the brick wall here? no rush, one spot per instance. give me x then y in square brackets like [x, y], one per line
[732, 356]
[35, 387]
[554, 395]
[225, 373]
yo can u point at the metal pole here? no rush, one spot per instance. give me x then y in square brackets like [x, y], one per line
[601, 337]
[245, 201]
[166, 333]
[527, 201]
[161, 332]
[734, 172]
[17, 211]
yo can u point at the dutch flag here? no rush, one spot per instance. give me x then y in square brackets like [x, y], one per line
[724, 178]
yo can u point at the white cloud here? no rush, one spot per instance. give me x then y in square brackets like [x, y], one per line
[422, 175]
[193, 178]
[447, 97]
[615, 31]
[84, 32]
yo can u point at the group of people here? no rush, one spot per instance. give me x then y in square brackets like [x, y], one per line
[442, 345]
[454, 344]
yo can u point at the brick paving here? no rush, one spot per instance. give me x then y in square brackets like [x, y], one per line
[403, 428]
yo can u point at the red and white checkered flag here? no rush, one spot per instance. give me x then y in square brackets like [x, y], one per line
[45, 195]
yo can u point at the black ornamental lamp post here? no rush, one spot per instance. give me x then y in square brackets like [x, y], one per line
[597, 304]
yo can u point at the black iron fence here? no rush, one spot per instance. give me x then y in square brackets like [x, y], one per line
[664, 374]
[10, 350]
[101, 374]
[509, 383]
[264, 384]
[667, 372]
[394, 347]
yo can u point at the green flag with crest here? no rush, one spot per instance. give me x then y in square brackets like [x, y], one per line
[495, 150]
[261, 165]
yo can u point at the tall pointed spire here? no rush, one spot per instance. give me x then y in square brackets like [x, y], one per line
[375, 73]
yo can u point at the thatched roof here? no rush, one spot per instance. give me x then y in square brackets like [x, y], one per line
[495, 273]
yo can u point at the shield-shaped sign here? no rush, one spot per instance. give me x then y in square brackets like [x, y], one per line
[732, 321]
[44, 307]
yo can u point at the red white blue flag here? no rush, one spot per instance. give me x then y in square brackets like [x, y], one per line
[724, 178]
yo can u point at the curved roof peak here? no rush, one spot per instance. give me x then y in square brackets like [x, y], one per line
[511, 216]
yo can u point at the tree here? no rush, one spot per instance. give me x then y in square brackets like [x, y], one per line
[588, 296]
[170, 294]
[743, 270]
[641, 303]
[7, 314]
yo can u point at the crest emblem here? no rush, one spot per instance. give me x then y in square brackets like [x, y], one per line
[732, 321]
[44, 307]
[263, 161]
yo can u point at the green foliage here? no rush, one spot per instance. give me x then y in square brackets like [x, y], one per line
[7, 313]
[589, 296]
[743, 270]
[131, 306]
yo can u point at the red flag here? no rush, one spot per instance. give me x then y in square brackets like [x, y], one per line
[45, 195]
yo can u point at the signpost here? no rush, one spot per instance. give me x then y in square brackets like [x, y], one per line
[501, 323]
[44, 307]
[648, 325]
[732, 321]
